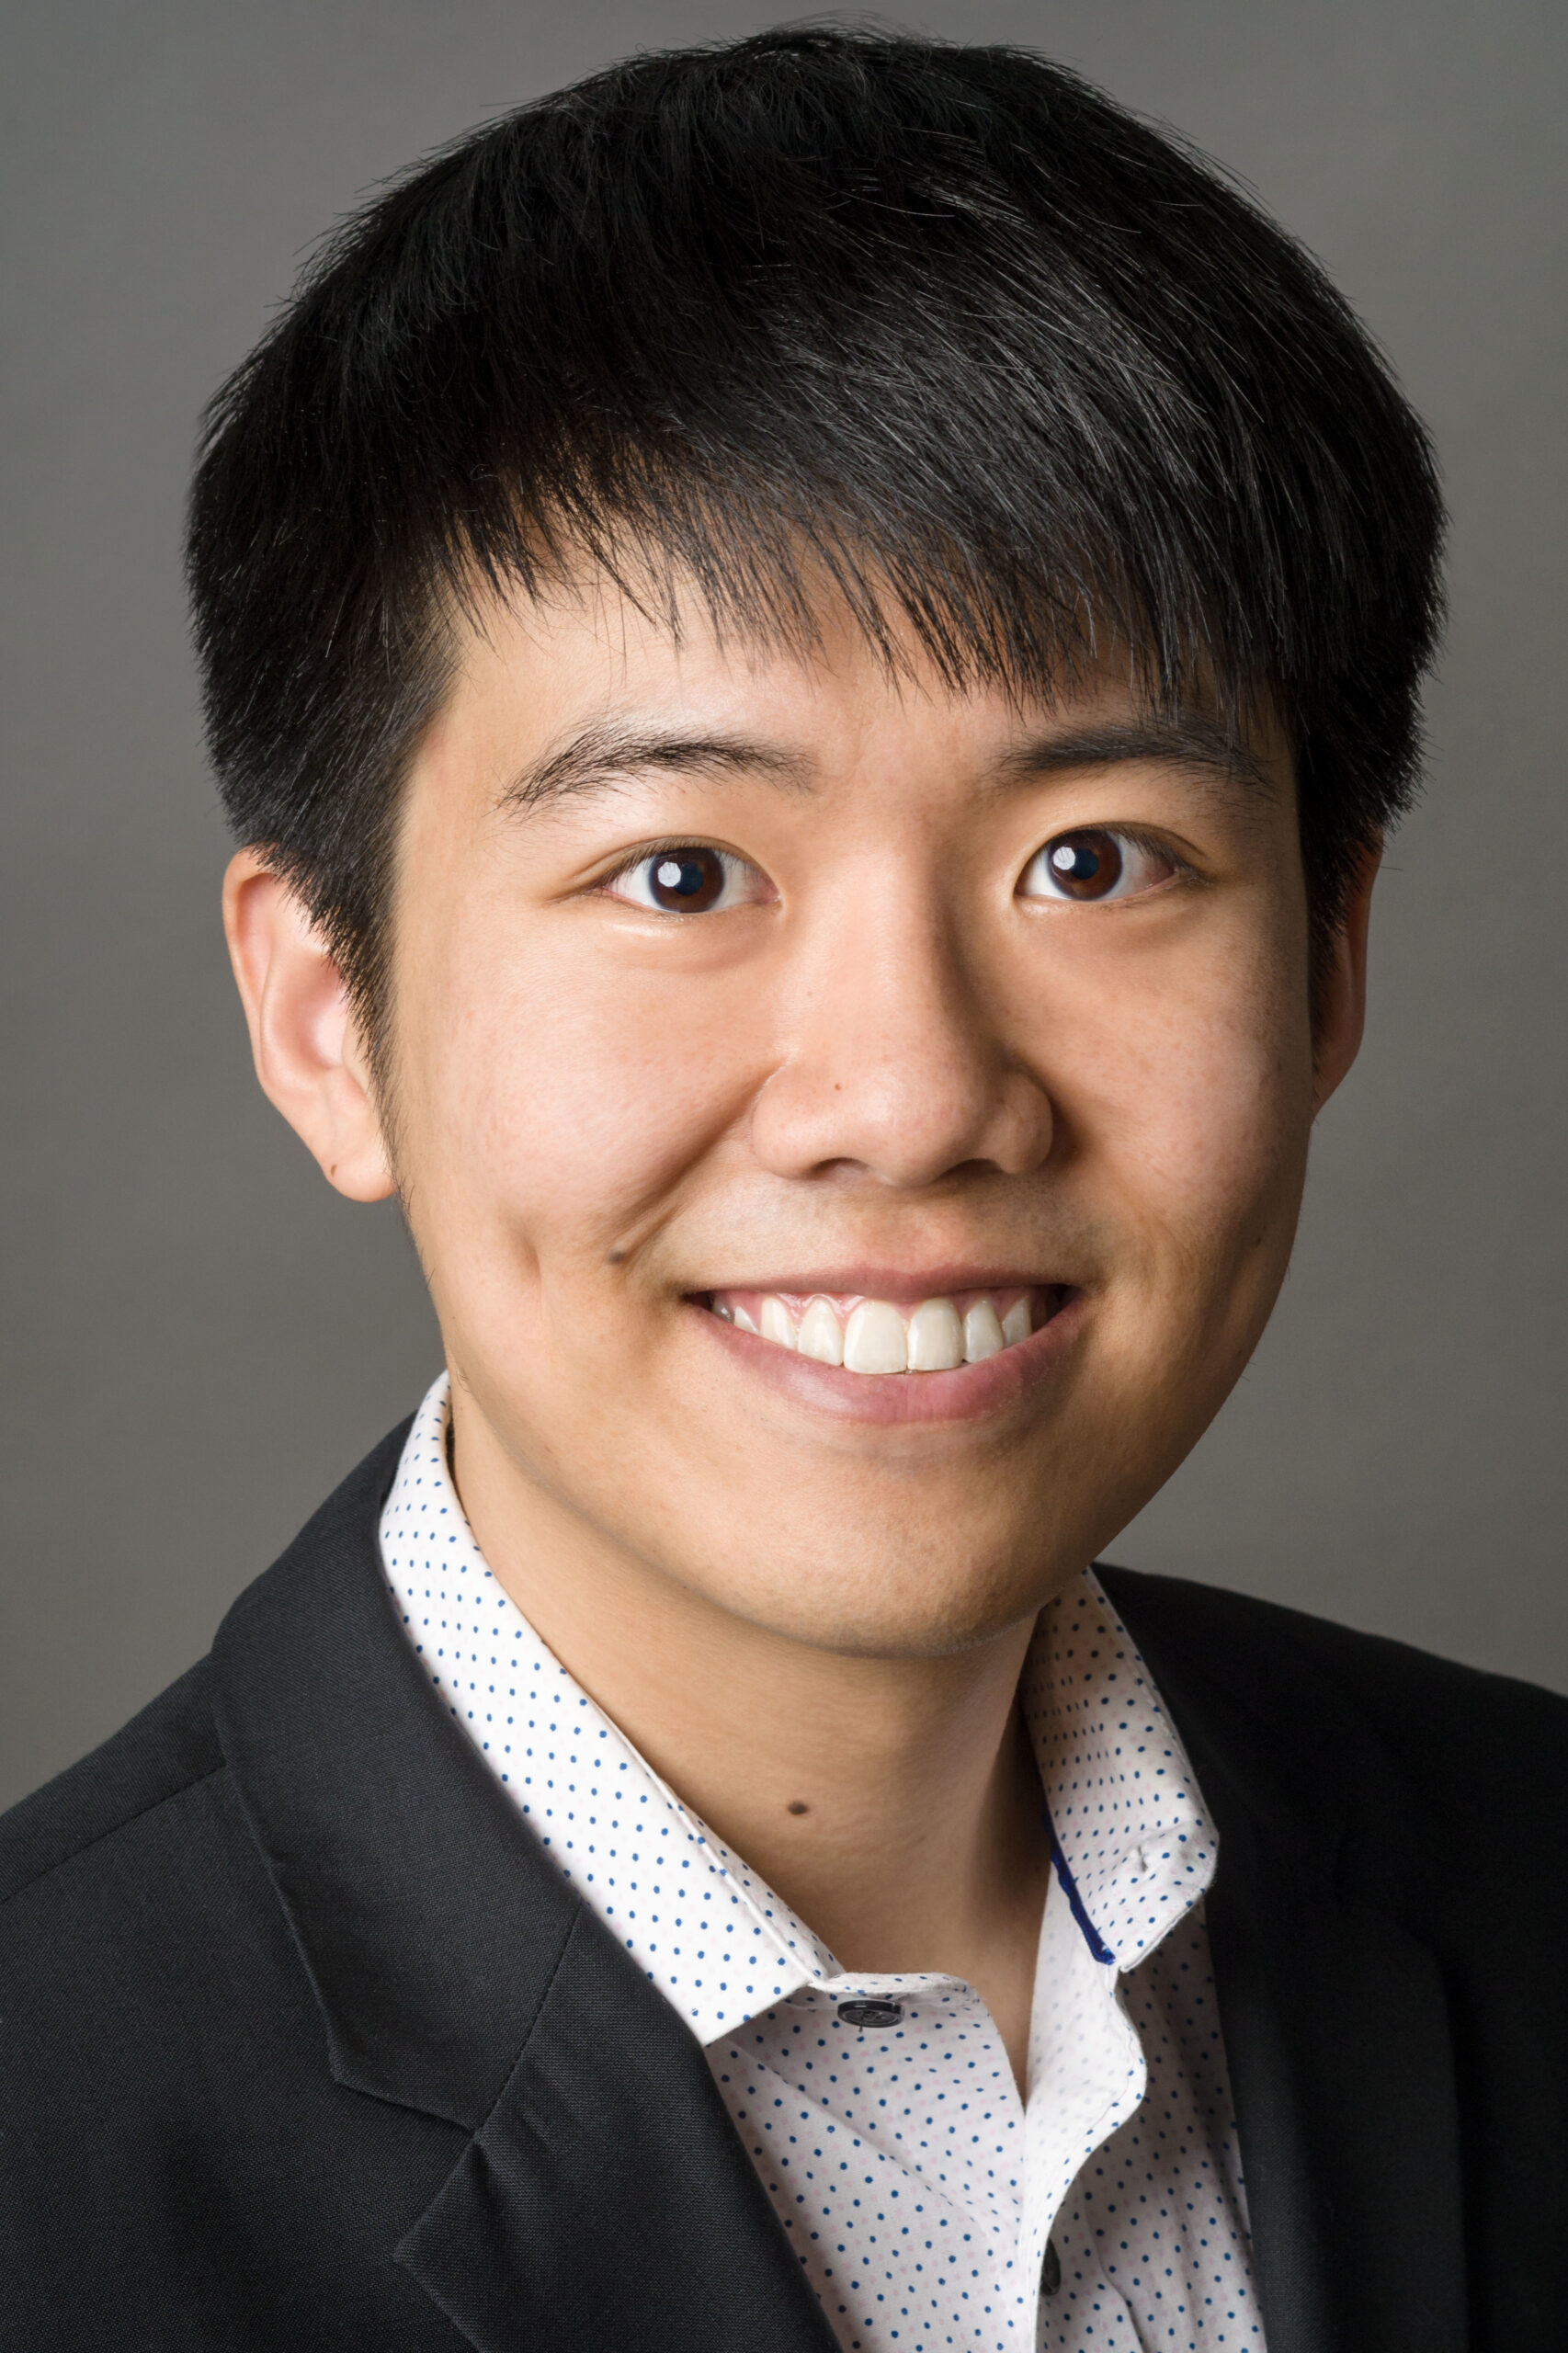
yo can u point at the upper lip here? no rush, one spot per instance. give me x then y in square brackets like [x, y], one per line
[894, 1282]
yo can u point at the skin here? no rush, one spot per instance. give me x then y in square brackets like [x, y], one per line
[885, 1063]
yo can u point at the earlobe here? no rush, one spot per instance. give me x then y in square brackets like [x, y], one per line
[309, 1054]
[1342, 1001]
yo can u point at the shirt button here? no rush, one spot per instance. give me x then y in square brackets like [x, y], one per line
[871, 2013]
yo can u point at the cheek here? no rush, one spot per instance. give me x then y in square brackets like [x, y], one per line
[565, 1102]
[1191, 1104]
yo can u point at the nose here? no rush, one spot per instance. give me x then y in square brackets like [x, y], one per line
[896, 1063]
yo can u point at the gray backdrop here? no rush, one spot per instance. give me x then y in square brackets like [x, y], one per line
[200, 1337]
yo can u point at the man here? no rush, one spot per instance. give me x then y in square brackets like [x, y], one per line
[810, 645]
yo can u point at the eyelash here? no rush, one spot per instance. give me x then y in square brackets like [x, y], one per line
[1092, 840]
[677, 850]
[687, 853]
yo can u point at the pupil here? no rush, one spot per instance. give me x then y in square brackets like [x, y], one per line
[1087, 865]
[689, 881]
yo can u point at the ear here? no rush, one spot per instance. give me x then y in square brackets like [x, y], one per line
[309, 1055]
[1342, 999]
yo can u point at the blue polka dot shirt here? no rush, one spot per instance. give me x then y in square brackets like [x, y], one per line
[928, 2204]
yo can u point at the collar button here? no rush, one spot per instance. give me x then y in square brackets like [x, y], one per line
[864, 2014]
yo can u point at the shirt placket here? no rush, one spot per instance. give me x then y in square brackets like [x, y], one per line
[1087, 2076]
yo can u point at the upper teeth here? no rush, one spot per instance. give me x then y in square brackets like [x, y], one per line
[875, 1337]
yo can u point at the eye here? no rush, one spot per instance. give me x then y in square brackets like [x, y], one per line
[687, 879]
[1093, 863]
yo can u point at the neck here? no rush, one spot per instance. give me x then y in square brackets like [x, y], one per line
[891, 1802]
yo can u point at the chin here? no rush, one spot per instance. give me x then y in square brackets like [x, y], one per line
[861, 1612]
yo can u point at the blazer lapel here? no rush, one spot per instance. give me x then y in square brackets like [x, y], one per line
[1335, 2019]
[606, 2200]
[602, 2196]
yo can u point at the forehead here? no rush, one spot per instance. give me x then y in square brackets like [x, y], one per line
[556, 703]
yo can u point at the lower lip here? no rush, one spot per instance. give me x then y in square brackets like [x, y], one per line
[965, 1394]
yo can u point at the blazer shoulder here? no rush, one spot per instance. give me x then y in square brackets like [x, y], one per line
[164, 1750]
[174, 1743]
[1460, 1729]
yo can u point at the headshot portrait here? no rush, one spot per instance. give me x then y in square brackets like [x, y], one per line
[786, 1382]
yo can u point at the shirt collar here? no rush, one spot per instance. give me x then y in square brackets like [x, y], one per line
[1134, 1848]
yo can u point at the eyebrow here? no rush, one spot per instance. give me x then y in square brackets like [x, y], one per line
[1187, 740]
[606, 756]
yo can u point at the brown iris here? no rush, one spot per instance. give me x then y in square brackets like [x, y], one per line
[1086, 865]
[686, 882]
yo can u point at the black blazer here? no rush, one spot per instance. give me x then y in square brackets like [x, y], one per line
[304, 2043]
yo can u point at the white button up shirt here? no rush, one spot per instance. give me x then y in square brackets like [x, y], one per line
[929, 2206]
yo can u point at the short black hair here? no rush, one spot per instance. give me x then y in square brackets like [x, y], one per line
[940, 325]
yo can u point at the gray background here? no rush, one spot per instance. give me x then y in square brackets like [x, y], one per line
[200, 1337]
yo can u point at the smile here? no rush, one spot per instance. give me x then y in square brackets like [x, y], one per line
[880, 1336]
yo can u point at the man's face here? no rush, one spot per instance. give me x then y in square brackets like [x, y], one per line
[727, 982]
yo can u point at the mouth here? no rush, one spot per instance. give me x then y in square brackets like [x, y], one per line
[910, 1334]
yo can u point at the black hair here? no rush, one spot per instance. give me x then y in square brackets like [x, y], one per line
[941, 328]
